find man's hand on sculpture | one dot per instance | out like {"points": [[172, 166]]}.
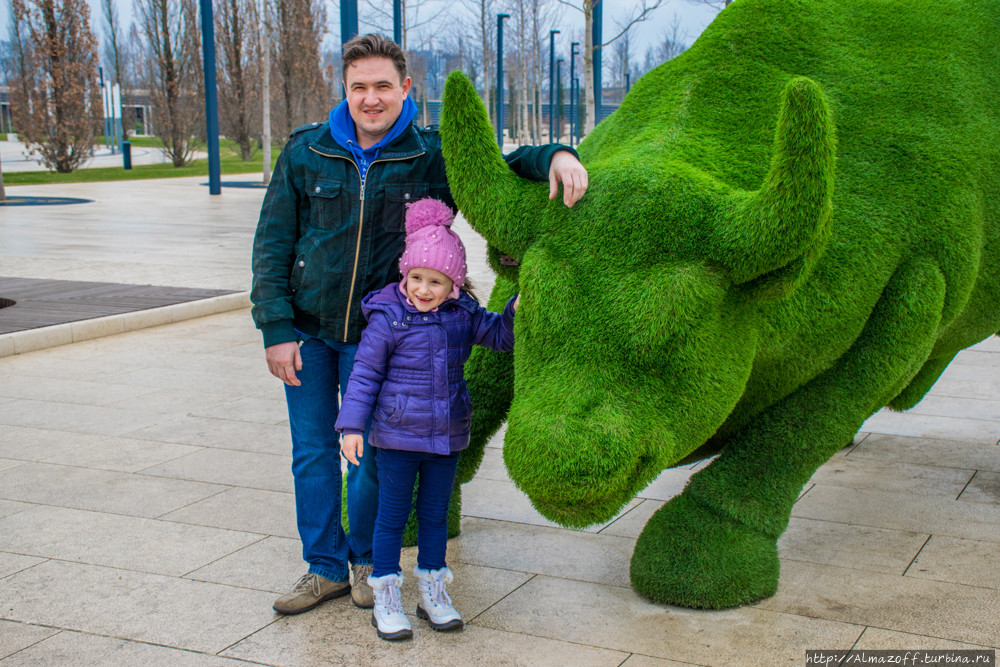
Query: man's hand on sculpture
{"points": [[283, 360], [566, 169], [352, 447]]}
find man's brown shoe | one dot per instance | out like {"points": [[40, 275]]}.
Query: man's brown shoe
{"points": [[308, 592], [362, 594]]}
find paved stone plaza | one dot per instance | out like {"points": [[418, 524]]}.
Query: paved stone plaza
{"points": [[147, 516]]}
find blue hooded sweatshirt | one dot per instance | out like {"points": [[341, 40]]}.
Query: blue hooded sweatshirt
{"points": [[343, 132]]}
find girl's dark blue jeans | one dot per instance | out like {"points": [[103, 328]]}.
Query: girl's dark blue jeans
{"points": [[397, 473]]}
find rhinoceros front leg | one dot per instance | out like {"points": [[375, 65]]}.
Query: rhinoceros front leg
{"points": [[715, 545]]}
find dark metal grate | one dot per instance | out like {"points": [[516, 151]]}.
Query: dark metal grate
{"points": [[4, 303]]}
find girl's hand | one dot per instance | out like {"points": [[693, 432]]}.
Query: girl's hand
{"points": [[353, 444], [517, 302]]}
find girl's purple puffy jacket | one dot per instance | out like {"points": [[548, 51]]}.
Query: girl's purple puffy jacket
{"points": [[408, 370]]}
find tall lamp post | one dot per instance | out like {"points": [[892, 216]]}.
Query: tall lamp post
{"points": [[596, 33], [397, 22], [211, 98], [552, 80], [500, 18], [572, 89], [558, 108], [348, 28]]}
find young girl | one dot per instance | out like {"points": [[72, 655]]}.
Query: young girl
{"points": [[408, 371]]}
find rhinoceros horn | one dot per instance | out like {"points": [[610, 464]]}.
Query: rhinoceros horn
{"points": [[786, 223], [497, 203]]}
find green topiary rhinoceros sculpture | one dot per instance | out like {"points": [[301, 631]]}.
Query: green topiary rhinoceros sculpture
{"points": [[788, 227]]}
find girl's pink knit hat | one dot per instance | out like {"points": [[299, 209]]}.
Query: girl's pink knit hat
{"points": [[430, 243]]}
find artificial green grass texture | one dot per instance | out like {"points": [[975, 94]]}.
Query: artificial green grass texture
{"points": [[230, 163], [790, 226]]}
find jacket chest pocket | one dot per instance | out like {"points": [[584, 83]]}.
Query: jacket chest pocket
{"points": [[396, 199], [328, 208]]}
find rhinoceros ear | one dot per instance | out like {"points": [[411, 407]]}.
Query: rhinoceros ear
{"points": [[782, 228], [498, 204]]}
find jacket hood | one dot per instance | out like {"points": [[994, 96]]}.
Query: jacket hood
{"points": [[344, 132], [392, 301]]}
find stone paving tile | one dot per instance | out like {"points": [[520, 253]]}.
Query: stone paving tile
{"points": [[221, 433], [637, 660], [857, 473], [632, 522], [977, 358], [256, 410], [131, 543], [888, 640], [15, 637], [100, 490], [121, 454], [250, 510], [619, 619], [905, 604], [968, 562], [6, 464], [77, 648], [11, 563], [929, 451], [338, 633], [981, 389], [82, 418], [147, 607], [44, 364], [174, 401], [475, 589], [232, 467], [984, 488], [844, 545], [273, 564], [9, 507], [669, 484], [948, 406], [66, 391], [898, 511], [927, 426], [198, 380], [35, 444], [493, 499], [578, 555], [493, 466], [991, 344]]}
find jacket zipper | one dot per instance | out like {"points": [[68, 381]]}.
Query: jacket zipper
{"points": [[361, 223]]}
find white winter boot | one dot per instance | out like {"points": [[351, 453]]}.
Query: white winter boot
{"points": [[388, 618], [435, 604]]}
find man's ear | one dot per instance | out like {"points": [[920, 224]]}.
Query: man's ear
{"points": [[406, 86]]}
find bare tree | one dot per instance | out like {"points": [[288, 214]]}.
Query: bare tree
{"points": [[671, 43], [301, 90], [265, 67], [621, 52], [483, 32], [239, 92], [416, 14], [53, 98], [172, 72], [115, 45], [639, 13]]}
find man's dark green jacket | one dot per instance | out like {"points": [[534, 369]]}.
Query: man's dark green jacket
{"points": [[324, 241]]}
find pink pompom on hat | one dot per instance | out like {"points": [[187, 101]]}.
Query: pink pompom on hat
{"points": [[431, 244]]}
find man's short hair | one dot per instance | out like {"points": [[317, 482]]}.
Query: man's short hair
{"points": [[374, 45]]}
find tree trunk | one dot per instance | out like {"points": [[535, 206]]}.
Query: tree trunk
{"points": [[266, 95]]}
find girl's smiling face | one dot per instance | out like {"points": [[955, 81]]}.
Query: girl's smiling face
{"points": [[427, 288]]}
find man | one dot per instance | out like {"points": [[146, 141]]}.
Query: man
{"points": [[331, 230]]}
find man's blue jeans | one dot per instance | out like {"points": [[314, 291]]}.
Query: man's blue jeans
{"points": [[312, 414]]}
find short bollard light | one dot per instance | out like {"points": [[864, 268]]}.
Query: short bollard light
{"points": [[127, 154]]}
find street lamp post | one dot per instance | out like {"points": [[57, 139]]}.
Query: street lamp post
{"points": [[552, 102], [211, 98], [572, 90], [596, 33], [576, 82], [397, 22], [500, 18], [558, 108]]}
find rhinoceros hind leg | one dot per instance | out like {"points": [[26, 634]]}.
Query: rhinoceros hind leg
{"points": [[715, 545], [921, 384]]}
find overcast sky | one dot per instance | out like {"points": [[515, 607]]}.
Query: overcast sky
{"points": [[693, 19]]}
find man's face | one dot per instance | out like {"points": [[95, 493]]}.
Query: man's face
{"points": [[374, 97]]}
